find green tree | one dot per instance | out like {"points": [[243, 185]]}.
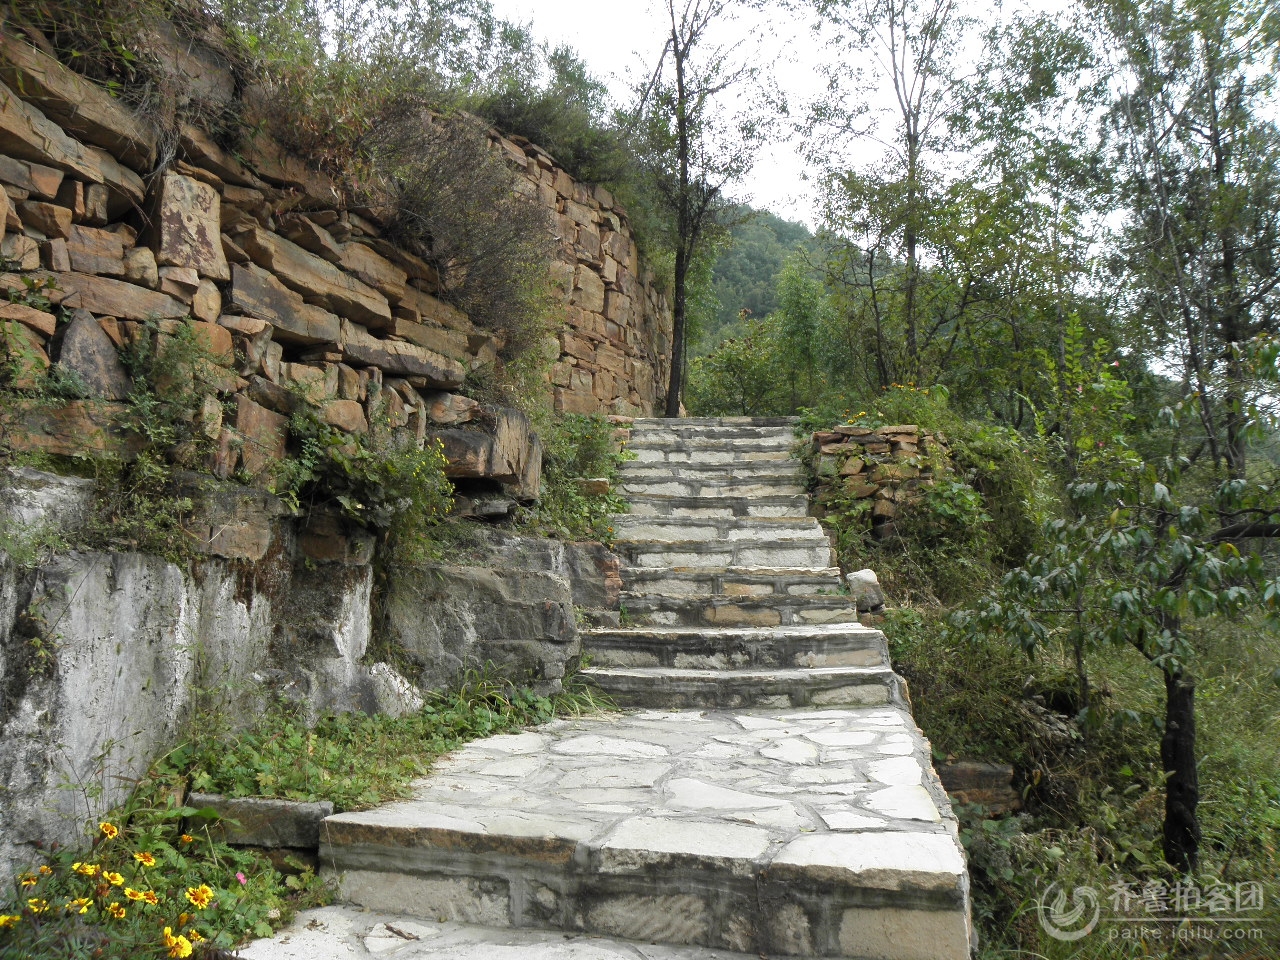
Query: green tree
{"points": [[692, 147], [887, 213], [740, 377], [1142, 554], [1197, 153]]}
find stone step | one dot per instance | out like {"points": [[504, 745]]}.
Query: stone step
{"points": [[781, 833], [712, 611], [691, 554], [794, 505], [755, 439], [710, 486], [738, 582], [709, 452], [715, 426], [754, 470], [710, 648], [761, 529], [673, 687]]}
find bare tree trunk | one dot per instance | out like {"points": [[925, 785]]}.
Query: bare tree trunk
{"points": [[1182, 782]]}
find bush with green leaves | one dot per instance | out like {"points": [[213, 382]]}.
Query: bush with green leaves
{"points": [[576, 448], [356, 760], [152, 881], [383, 481]]}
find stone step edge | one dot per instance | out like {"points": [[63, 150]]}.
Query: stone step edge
{"points": [[694, 422], [792, 631], [582, 858], [682, 572], [869, 674], [737, 571]]}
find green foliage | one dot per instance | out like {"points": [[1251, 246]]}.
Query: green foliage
{"points": [[356, 760], [153, 883], [561, 108], [382, 482], [577, 448], [746, 270], [31, 546], [980, 510], [1091, 406], [740, 377]]}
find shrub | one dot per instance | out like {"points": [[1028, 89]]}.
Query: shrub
{"points": [[383, 482], [451, 200], [575, 448]]}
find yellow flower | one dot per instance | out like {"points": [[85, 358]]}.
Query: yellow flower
{"points": [[194, 935], [144, 858], [187, 838], [36, 905], [150, 897], [133, 894], [29, 880], [45, 869], [108, 830], [8, 920], [179, 946], [112, 878], [79, 905], [88, 869], [117, 910], [200, 896]]}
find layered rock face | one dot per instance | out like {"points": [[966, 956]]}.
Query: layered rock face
{"points": [[116, 236], [107, 658]]}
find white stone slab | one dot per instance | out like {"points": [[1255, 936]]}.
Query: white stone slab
{"points": [[643, 841], [841, 738], [607, 748], [686, 793], [886, 861], [843, 818], [899, 771], [904, 803], [793, 750]]}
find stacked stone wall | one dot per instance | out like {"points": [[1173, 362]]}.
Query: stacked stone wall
{"points": [[615, 342], [889, 467]]}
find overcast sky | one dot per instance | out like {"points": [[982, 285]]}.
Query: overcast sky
{"points": [[623, 37]]}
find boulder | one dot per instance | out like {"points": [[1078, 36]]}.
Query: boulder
{"points": [[317, 280], [82, 108], [377, 271], [37, 320], [265, 434], [89, 354], [48, 218], [864, 590], [401, 359], [91, 250], [115, 298], [39, 181], [987, 784], [27, 134], [259, 294], [187, 227]]}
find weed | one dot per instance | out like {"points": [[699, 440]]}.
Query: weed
{"points": [[357, 761], [575, 448]]}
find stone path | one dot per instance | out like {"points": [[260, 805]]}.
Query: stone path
{"points": [[769, 793], [352, 933]]}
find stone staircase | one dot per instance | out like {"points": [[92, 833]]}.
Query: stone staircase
{"points": [[766, 792]]}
